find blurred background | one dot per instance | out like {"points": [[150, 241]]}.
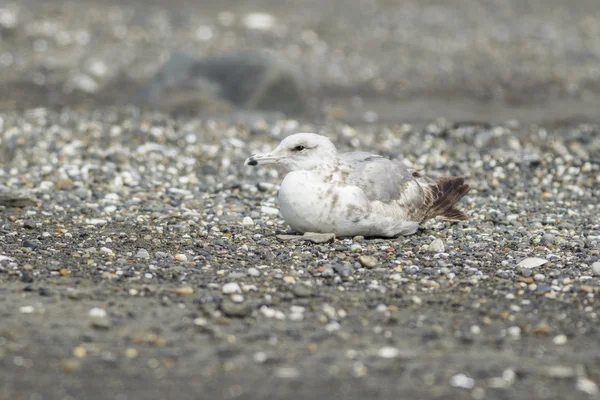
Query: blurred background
{"points": [[351, 60]]}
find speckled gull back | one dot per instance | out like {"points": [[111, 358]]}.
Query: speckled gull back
{"points": [[380, 178]]}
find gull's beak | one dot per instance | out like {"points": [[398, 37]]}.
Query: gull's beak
{"points": [[266, 158]]}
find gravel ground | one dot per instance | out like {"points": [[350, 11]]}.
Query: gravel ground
{"points": [[145, 264], [150, 266]]}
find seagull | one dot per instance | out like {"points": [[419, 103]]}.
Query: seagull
{"points": [[357, 193]]}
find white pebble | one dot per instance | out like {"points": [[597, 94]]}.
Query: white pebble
{"points": [[388, 352], [596, 268], [333, 326], [259, 21], [237, 298], [514, 332], [26, 309], [532, 262], [247, 221], [231, 288], [437, 246], [253, 271], [97, 312], [180, 257], [462, 381], [269, 210], [559, 339], [106, 250]]}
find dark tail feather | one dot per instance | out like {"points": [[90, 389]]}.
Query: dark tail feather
{"points": [[446, 193]]}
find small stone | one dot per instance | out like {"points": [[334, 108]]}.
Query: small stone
{"points": [[184, 290], [79, 352], [514, 332], [532, 262], [289, 280], [269, 210], [29, 244], [368, 262], [539, 277], [71, 365], [97, 312], [301, 290], [253, 272], [64, 272], [596, 268], [142, 253], [462, 381], [247, 221], [181, 257], [560, 339], [260, 357], [233, 309], [437, 246], [559, 372], [26, 277], [587, 386], [101, 323], [548, 239], [26, 309], [106, 250], [130, 352], [388, 352], [231, 288], [237, 298], [417, 300]]}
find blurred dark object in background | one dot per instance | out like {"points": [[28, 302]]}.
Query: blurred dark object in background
{"points": [[249, 80], [359, 61]]}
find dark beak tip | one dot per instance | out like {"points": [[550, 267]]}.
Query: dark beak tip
{"points": [[252, 162]]}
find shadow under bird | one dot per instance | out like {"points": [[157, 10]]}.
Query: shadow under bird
{"points": [[357, 193]]}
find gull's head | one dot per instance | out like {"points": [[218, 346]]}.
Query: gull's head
{"points": [[301, 151]]}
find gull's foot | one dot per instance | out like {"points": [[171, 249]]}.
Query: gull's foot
{"points": [[313, 237]]}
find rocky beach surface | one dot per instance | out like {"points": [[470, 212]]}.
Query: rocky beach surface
{"points": [[139, 257]]}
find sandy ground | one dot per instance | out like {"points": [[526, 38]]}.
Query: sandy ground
{"points": [[117, 283]]}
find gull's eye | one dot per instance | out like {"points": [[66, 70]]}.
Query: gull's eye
{"points": [[299, 148]]}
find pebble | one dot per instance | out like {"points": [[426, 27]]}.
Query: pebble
{"points": [[548, 239], [437, 246], [301, 290], [560, 339], [532, 262], [388, 352], [231, 288], [106, 250], [247, 221], [181, 257], [26, 309], [142, 253], [596, 268], [101, 323], [184, 290], [97, 312], [253, 272], [235, 309], [559, 372], [269, 210], [29, 244], [539, 277], [368, 262], [462, 381]]}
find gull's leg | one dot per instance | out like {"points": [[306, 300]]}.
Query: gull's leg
{"points": [[313, 237]]}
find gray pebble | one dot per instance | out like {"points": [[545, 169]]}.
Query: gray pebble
{"points": [[539, 277], [142, 253], [233, 309], [302, 290], [368, 262]]}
